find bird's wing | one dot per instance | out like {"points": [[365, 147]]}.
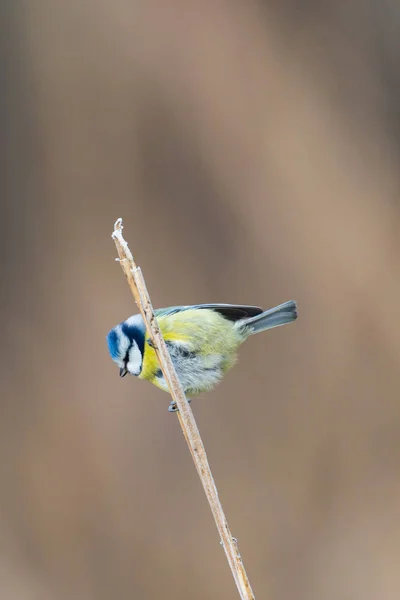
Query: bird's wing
{"points": [[232, 312]]}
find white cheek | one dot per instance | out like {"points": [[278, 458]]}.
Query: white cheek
{"points": [[134, 364]]}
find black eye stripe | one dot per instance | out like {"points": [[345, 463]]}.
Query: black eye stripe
{"points": [[126, 359], [134, 334]]}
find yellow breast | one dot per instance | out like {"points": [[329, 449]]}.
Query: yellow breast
{"points": [[205, 332]]}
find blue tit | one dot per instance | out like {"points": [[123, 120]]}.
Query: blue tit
{"points": [[202, 341]]}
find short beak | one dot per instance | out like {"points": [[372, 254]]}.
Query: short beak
{"points": [[123, 371]]}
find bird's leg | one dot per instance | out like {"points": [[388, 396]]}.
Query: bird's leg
{"points": [[173, 406]]}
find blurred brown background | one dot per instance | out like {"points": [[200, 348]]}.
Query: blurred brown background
{"points": [[252, 149]]}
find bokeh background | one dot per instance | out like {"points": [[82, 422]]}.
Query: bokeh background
{"points": [[252, 149]]}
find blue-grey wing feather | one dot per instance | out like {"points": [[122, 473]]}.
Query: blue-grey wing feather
{"points": [[232, 312]]}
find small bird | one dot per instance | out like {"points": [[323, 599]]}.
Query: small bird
{"points": [[202, 341]]}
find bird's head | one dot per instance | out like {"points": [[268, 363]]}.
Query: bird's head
{"points": [[126, 345]]}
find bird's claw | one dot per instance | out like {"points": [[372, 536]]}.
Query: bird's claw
{"points": [[173, 407]]}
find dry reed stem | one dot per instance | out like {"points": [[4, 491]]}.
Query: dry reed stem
{"points": [[188, 424]]}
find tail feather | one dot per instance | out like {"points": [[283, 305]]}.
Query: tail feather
{"points": [[274, 317]]}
